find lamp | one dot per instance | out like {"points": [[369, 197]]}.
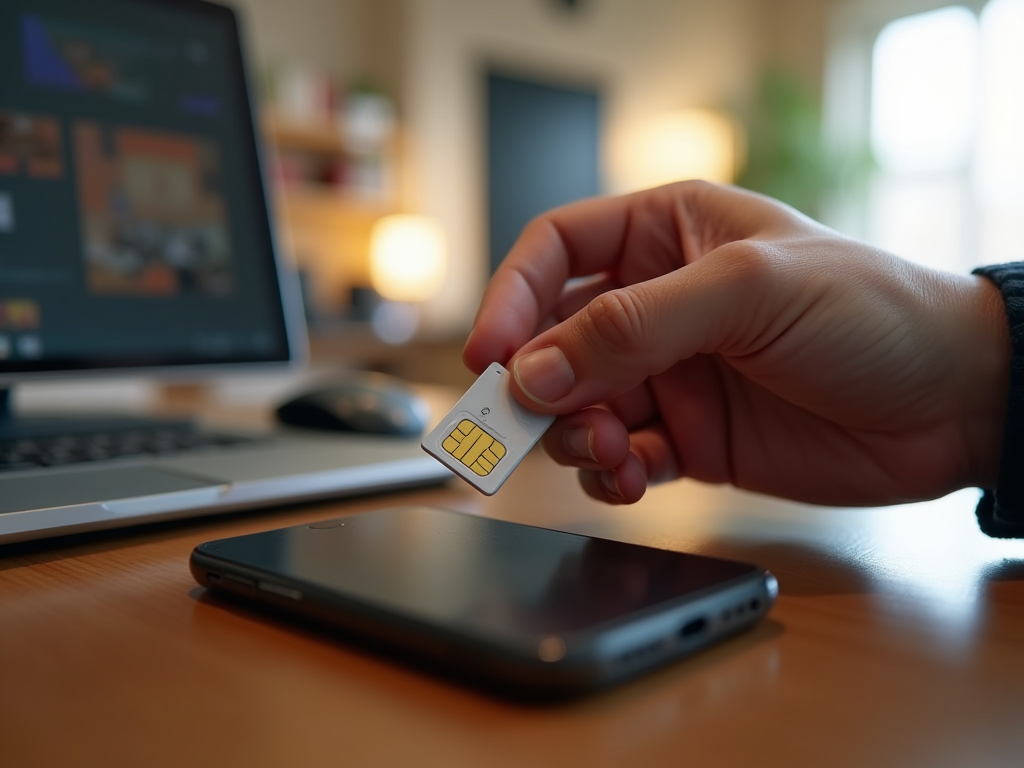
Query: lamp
{"points": [[408, 259], [683, 144], [408, 256]]}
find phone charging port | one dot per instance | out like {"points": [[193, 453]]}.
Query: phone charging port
{"points": [[693, 627]]}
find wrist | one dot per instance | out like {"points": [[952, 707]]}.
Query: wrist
{"points": [[988, 371], [1001, 510]]}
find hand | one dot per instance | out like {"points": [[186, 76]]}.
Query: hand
{"points": [[722, 336]]}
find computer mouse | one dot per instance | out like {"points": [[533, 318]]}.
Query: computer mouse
{"points": [[372, 403]]}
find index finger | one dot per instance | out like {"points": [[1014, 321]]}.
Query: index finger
{"points": [[579, 239], [632, 238]]}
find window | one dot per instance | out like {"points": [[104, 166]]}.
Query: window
{"points": [[923, 91], [944, 118]]}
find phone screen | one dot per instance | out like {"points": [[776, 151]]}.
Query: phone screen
{"points": [[483, 576]]}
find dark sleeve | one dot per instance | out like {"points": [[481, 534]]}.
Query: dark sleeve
{"points": [[1001, 509]]}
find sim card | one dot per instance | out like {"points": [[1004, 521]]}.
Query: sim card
{"points": [[485, 436]]}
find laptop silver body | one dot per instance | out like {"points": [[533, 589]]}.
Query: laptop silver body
{"points": [[279, 468], [173, 82]]}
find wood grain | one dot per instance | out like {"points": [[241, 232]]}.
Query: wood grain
{"points": [[898, 640]]}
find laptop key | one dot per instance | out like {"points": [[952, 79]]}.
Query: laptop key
{"points": [[71, 449]]}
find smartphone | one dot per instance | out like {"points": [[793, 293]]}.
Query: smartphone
{"points": [[524, 610]]}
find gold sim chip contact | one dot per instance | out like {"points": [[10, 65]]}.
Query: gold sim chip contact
{"points": [[474, 447], [471, 449]]}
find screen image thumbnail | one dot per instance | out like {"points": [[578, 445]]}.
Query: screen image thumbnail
{"points": [[154, 219], [77, 57], [117, 64], [30, 145]]}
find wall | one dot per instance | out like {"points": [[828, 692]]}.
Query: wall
{"points": [[326, 34], [651, 55], [794, 34]]}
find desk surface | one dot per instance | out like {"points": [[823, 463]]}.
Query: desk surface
{"points": [[898, 640]]}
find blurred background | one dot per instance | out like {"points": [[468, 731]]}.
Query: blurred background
{"points": [[410, 140]]}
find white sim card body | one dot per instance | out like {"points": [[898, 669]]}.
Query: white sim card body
{"points": [[485, 436]]}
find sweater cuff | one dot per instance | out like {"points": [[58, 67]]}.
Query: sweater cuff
{"points": [[1001, 509]]}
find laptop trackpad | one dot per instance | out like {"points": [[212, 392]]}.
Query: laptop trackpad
{"points": [[89, 485]]}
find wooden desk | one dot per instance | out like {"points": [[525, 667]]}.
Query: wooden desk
{"points": [[898, 640]]}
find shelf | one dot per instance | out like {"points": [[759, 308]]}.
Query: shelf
{"points": [[322, 198], [327, 227], [323, 138]]}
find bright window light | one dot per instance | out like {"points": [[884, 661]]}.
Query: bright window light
{"points": [[999, 167], [924, 91], [1000, 158], [947, 128]]}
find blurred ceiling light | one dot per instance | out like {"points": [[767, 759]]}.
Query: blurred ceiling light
{"points": [[408, 257], [684, 144]]}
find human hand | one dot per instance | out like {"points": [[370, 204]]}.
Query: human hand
{"points": [[725, 337]]}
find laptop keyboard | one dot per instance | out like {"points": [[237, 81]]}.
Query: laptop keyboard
{"points": [[52, 451]]}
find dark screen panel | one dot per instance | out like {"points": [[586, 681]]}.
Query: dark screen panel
{"points": [[488, 576], [133, 224], [543, 150]]}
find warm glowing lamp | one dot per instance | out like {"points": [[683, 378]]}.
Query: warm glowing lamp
{"points": [[408, 257], [684, 144]]}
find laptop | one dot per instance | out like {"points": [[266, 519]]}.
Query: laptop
{"points": [[135, 239]]}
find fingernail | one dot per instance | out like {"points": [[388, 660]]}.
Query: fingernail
{"points": [[611, 483], [544, 375], [579, 442]]}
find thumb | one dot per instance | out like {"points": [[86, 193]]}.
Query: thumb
{"points": [[623, 336]]}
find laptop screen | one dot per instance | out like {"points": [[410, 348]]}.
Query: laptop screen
{"points": [[133, 224]]}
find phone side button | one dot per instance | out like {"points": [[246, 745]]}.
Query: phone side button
{"points": [[237, 584], [279, 589]]}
